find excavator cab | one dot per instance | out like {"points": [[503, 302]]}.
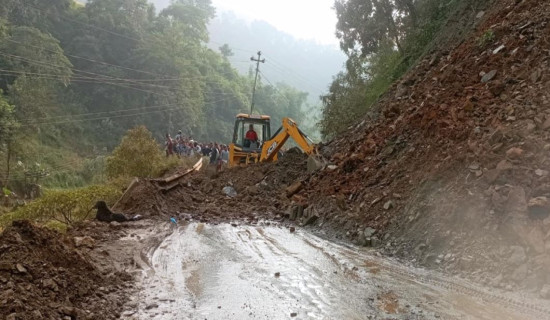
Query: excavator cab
{"points": [[242, 150]]}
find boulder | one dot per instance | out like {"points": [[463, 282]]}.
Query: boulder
{"points": [[230, 191], [514, 153], [314, 164], [489, 76], [311, 219], [294, 188], [389, 204], [85, 241], [369, 232]]}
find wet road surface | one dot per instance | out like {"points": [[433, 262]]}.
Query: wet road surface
{"points": [[204, 271]]}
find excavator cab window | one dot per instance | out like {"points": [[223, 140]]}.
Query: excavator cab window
{"points": [[261, 127]]}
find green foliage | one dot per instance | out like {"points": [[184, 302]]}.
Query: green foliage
{"points": [[8, 124], [383, 40], [486, 39], [64, 206], [138, 155]]}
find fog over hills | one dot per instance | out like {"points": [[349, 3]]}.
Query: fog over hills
{"points": [[303, 64]]}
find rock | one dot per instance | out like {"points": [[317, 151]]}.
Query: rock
{"points": [[520, 273], [230, 191], [293, 314], [388, 205], [517, 256], [492, 175], [115, 225], [252, 190], [85, 241], [314, 164], [277, 274], [420, 248], [374, 242], [480, 14], [151, 306], [311, 220], [293, 213], [401, 91], [541, 173], [20, 268], [539, 206], [50, 284], [489, 76], [69, 311], [545, 292], [536, 75], [362, 240], [497, 50], [294, 188], [504, 165], [292, 229], [514, 153], [369, 232]]}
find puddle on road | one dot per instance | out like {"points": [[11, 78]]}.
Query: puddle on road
{"points": [[212, 272]]}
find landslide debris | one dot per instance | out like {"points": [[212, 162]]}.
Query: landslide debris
{"points": [[260, 193], [44, 276], [451, 167]]}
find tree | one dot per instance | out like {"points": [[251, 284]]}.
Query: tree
{"points": [[365, 25], [137, 155], [226, 51]]}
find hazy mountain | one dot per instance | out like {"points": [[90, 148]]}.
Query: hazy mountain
{"points": [[306, 65], [303, 64]]}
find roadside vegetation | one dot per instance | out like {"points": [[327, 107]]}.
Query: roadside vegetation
{"points": [[138, 155]]}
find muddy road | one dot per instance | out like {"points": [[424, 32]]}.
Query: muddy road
{"points": [[202, 271]]}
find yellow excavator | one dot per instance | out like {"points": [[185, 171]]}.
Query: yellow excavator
{"points": [[263, 147]]}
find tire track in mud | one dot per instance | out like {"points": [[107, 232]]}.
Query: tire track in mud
{"points": [[420, 277]]}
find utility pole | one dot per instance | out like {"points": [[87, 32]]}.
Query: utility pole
{"points": [[256, 78]]}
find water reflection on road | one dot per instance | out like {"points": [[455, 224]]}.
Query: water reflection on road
{"points": [[248, 272]]}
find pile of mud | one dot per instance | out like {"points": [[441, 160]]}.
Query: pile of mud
{"points": [[44, 276], [257, 193], [451, 168]]}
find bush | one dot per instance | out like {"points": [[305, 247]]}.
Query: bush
{"points": [[64, 206], [138, 155]]}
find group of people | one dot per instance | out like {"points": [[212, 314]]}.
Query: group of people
{"points": [[182, 146]]}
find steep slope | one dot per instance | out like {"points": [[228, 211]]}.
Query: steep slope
{"points": [[451, 168]]}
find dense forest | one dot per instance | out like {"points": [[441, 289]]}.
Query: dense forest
{"points": [[75, 78]]}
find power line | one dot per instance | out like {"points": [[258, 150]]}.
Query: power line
{"points": [[275, 88], [118, 116]]}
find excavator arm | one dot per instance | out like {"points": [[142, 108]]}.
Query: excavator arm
{"points": [[288, 129]]}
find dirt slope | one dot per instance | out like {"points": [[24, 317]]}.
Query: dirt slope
{"points": [[44, 276], [452, 168]]}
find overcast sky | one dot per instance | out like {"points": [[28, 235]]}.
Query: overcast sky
{"points": [[304, 19]]}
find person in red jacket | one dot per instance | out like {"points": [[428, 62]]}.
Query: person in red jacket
{"points": [[251, 136]]}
